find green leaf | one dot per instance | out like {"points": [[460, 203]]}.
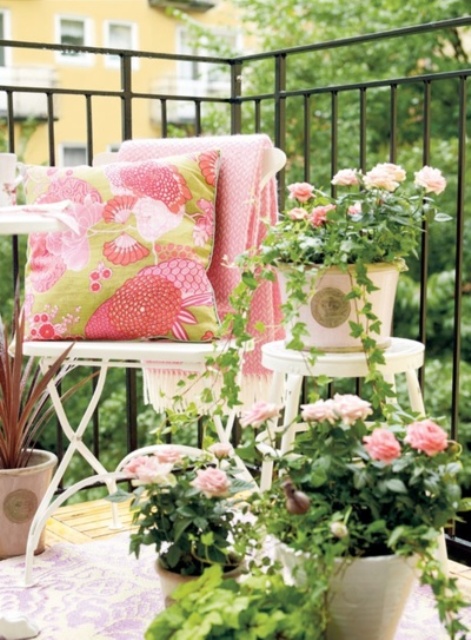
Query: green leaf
{"points": [[396, 486], [180, 527]]}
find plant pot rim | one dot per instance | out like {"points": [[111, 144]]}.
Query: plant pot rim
{"points": [[234, 571], [350, 559], [40, 459], [373, 266]]}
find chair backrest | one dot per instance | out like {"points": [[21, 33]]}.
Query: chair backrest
{"points": [[246, 197]]}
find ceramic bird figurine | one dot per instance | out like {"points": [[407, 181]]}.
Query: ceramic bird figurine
{"points": [[297, 502]]}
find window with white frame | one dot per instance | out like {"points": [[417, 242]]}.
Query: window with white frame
{"points": [[204, 72], [120, 35], [72, 155], [74, 31]]}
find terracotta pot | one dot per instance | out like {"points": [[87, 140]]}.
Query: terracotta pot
{"points": [[169, 580], [329, 312], [367, 596], [21, 491]]}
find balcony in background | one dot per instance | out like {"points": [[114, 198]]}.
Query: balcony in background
{"points": [[185, 5], [26, 104]]}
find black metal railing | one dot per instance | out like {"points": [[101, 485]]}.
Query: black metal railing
{"points": [[322, 128]]}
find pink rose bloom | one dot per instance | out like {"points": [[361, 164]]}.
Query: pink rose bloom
{"points": [[382, 445], [351, 408], [430, 179], [301, 191], [259, 413], [426, 436], [384, 176], [221, 450], [131, 468], [149, 470], [396, 171], [214, 483], [318, 215], [297, 213], [346, 178], [319, 411], [168, 455], [355, 209]]}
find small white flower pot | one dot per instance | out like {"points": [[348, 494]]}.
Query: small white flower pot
{"points": [[329, 312]]}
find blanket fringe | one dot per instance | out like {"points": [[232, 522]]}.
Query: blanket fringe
{"points": [[162, 389]]}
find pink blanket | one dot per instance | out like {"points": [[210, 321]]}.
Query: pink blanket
{"points": [[240, 206]]}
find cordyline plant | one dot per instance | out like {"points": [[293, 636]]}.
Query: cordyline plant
{"points": [[23, 394]]}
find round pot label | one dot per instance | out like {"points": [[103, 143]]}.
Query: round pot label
{"points": [[20, 506], [330, 307]]}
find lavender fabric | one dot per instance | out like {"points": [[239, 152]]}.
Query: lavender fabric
{"points": [[98, 591]]}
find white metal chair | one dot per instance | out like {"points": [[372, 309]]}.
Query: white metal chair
{"points": [[159, 356]]}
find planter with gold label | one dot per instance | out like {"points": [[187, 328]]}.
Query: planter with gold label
{"points": [[329, 311], [21, 491]]}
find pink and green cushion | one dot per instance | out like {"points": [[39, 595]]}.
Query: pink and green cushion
{"points": [[133, 265]]}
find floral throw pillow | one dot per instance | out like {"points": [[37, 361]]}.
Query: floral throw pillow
{"points": [[133, 263]]}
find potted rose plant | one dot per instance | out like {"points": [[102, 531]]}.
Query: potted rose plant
{"points": [[184, 504], [346, 247], [338, 257], [354, 496]]}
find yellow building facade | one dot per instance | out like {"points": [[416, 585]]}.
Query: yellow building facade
{"points": [[144, 25]]}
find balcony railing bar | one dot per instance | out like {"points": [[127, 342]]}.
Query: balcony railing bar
{"points": [[279, 133], [51, 130], [198, 117], [279, 94], [328, 44], [334, 135], [370, 84], [123, 53], [236, 90], [126, 104], [425, 237], [369, 37], [460, 213], [307, 136], [89, 128], [393, 124], [257, 115], [163, 114], [362, 141]]}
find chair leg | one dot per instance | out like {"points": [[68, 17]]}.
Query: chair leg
{"points": [[415, 392], [292, 395]]}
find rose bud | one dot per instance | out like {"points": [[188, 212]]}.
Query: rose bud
{"points": [[297, 502]]}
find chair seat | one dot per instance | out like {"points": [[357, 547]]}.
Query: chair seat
{"points": [[187, 354]]}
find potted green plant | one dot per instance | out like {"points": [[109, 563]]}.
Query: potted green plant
{"points": [[185, 506], [363, 504], [25, 471], [260, 606]]}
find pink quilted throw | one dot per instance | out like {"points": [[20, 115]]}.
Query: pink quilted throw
{"points": [[241, 203]]}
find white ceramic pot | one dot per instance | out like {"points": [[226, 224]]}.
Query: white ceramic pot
{"points": [[367, 596], [21, 491], [328, 312]]}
